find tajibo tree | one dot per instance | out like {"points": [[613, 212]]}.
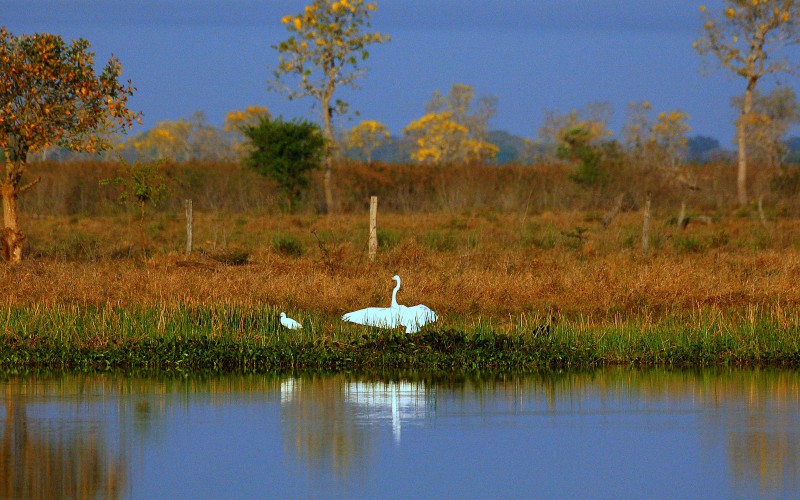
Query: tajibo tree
{"points": [[772, 115], [50, 95], [366, 137], [454, 129], [747, 40], [328, 42]]}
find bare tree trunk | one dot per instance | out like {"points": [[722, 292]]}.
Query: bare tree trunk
{"points": [[682, 214], [326, 184], [646, 227], [609, 217], [12, 238], [741, 132], [141, 226], [189, 226], [761, 216], [330, 147]]}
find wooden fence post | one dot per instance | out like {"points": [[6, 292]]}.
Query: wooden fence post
{"points": [[761, 216], [189, 222], [682, 214], [373, 227], [646, 227]]}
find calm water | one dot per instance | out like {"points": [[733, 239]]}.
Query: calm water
{"points": [[608, 434]]}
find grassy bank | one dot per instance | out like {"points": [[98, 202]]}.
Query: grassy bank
{"points": [[720, 292], [239, 338]]}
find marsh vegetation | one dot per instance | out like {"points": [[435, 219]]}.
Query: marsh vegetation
{"points": [[515, 289]]}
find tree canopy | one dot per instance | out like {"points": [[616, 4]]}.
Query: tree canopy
{"points": [[51, 95], [285, 151], [747, 39], [328, 42]]}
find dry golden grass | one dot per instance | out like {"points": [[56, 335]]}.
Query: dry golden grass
{"points": [[69, 188], [490, 266]]}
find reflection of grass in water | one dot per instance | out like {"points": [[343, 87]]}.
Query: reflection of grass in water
{"points": [[319, 425], [231, 337]]}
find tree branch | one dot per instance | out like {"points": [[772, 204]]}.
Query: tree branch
{"points": [[29, 185]]}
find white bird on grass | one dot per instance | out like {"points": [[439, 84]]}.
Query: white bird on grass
{"points": [[413, 318], [290, 323]]}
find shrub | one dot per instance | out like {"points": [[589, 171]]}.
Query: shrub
{"points": [[688, 244], [286, 152], [288, 246], [231, 256]]}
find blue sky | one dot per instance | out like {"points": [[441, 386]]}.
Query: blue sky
{"points": [[215, 56]]}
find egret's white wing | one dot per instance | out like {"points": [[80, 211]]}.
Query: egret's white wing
{"points": [[414, 318], [384, 317]]}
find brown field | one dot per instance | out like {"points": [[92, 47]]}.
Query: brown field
{"points": [[485, 243], [485, 266]]}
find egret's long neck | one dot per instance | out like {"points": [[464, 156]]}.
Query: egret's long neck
{"points": [[394, 294]]}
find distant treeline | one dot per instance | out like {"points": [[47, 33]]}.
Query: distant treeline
{"points": [[75, 188], [513, 149]]}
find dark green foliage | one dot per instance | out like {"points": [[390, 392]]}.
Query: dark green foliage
{"points": [[288, 246], [143, 183], [285, 151], [577, 146], [387, 238]]}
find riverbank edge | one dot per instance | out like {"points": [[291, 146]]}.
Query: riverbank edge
{"points": [[431, 350]]}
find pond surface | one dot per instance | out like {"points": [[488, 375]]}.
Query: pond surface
{"points": [[616, 433]]}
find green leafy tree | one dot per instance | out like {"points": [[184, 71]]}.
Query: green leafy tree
{"points": [[286, 152], [575, 144], [747, 40], [583, 137], [328, 42], [51, 95], [144, 185]]}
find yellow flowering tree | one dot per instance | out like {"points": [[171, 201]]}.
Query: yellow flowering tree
{"points": [[466, 111], [659, 142], [669, 136], [772, 116], [51, 95], [185, 139], [747, 40], [437, 138], [237, 120], [455, 128], [366, 137], [593, 119], [250, 116], [328, 42], [167, 140]]}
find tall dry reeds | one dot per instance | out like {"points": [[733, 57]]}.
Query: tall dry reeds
{"points": [[74, 188]]}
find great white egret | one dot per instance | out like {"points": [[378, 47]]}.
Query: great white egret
{"points": [[290, 323], [413, 318]]}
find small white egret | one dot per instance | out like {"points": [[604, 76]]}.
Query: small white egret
{"points": [[290, 323]]}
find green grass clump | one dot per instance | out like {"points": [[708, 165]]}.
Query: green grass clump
{"points": [[229, 338], [288, 246]]}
